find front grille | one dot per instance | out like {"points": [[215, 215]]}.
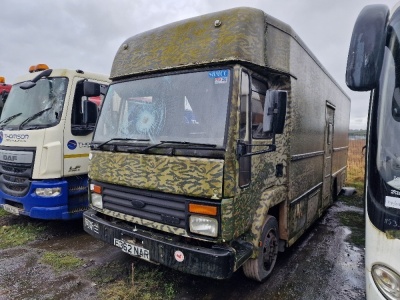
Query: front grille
{"points": [[19, 170], [153, 206], [15, 178], [13, 185]]}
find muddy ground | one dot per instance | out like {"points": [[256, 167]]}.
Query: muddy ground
{"points": [[326, 263]]}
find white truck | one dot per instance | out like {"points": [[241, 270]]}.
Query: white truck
{"points": [[45, 130]]}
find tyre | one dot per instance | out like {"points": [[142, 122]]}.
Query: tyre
{"points": [[260, 268]]}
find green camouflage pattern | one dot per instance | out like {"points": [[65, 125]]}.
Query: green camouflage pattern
{"points": [[190, 176], [195, 41], [266, 45], [266, 190], [144, 222], [249, 208]]}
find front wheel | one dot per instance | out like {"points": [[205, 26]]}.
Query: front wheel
{"points": [[260, 268]]}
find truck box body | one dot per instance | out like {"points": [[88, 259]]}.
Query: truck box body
{"points": [[152, 190]]}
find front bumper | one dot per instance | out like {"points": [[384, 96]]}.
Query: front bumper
{"points": [[48, 208], [218, 261]]}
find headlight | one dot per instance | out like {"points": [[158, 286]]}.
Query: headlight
{"points": [[97, 200], [203, 225], [387, 281], [48, 192]]}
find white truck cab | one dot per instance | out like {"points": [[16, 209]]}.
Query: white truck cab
{"points": [[45, 131]]}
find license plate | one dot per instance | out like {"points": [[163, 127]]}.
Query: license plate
{"points": [[11, 209], [132, 249]]}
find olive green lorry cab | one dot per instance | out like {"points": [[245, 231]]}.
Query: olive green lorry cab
{"points": [[220, 140]]}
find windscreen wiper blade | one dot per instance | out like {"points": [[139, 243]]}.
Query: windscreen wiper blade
{"points": [[34, 116], [120, 139], [5, 121], [178, 143]]}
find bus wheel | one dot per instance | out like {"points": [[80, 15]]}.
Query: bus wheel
{"points": [[260, 268]]}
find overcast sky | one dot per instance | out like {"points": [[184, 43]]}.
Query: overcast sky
{"points": [[85, 34]]}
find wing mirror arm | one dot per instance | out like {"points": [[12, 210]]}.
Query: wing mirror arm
{"points": [[242, 149]]}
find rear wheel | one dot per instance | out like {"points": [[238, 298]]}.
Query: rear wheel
{"points": [[260, 268]]}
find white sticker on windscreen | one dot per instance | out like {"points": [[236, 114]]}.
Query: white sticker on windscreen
{"points": [[392, 202]]}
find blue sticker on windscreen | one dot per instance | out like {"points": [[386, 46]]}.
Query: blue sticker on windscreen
{"points": [[218, 73]]}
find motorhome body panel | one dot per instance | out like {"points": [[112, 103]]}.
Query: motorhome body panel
{"points": [[312, 94]]}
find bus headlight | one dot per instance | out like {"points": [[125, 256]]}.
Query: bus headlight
{"points": [[387, 281], [97, 200], [48, 192], [203, 225]]}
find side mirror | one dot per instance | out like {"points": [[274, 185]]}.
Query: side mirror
{"points": [[89, 112], [367, 47], [91, 89], [241, 149], [27, 85], [275, 111], [103, 89], [31, 83]]}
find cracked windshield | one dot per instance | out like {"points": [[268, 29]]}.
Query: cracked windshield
{"points": [[39, 106], [190, 107]]}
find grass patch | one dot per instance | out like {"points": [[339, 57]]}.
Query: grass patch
{"points": [[356, 163], [107, 273], [355, 173], [61, 261], [145, 283], [355, 221], [356, 200], [18, 234], [3, 213]]}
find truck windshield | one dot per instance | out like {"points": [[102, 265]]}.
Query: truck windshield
{"points": [[40, 106], [388, 145], [190, 107]]}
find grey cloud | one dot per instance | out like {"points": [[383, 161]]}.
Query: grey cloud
{"points": [[86, 34]]}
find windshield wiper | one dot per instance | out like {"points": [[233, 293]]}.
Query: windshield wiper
{"points": [[27, 120], [120, 139], [178, 143], [5, 121]]}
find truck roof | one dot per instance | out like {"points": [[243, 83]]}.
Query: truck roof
{"points": [[238, 34], [65, 72], [246, 35]]}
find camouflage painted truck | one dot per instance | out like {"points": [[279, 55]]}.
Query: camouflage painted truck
{"points": [[221, 139]]}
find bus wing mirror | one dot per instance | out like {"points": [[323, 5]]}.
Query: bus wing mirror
{"points": [[89, 112], [367, 46], [275, 111], [91, 89]]}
